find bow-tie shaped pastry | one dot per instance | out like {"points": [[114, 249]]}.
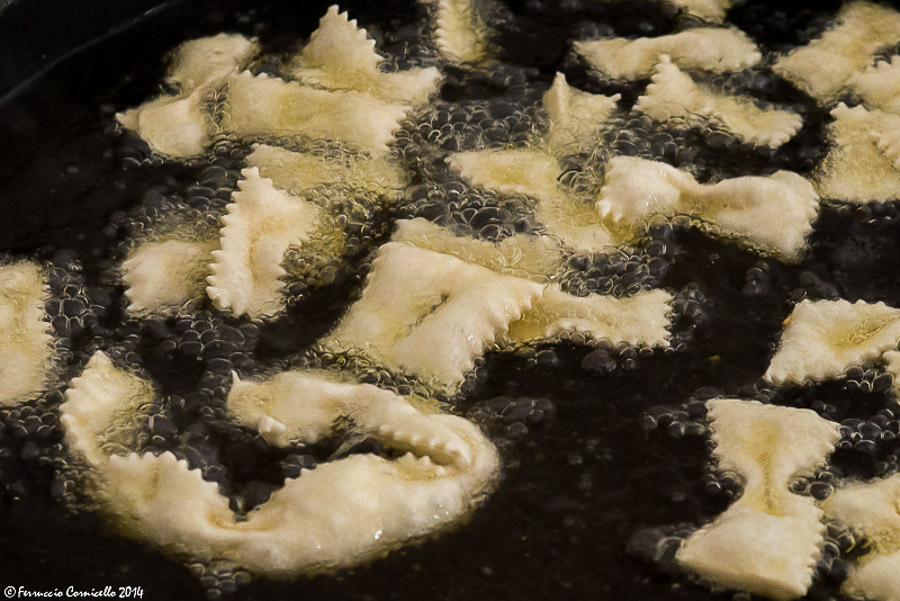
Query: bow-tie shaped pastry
{"points": [[341, 56], [768, 541], [824, 338], [180, 125], [863, 164], [872, 509], [704, 48], [825, 65], [774, 212], [338, 93], [672, 93]]}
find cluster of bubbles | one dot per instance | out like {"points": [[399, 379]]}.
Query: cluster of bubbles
{"points": [[71, 311], [219, 581], [471, 212], [472, 125], [511, 419], [32, 454]]}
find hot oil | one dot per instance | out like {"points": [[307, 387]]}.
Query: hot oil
{"points": [[605, 458]]}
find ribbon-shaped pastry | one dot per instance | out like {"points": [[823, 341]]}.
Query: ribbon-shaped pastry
{"points": [[338, 514], [161, 276], [533, 173], [465, 307], [641, 320], [535, 258], [242, 263], [262, 106], [575, 120], [300, 172], [575, 117], [341, 93], [768, 541]]}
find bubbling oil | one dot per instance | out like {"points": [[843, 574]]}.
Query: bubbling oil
{"points": [[594, 435]]}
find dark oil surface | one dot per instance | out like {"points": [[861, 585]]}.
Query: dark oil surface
{"points": [[602, 448]]}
